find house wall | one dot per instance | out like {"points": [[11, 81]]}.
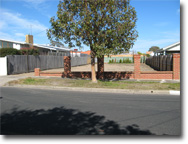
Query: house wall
{"points": [[16, 46], [3, 64]]}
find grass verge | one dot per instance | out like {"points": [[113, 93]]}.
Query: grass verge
{"points": [[100, 84]]}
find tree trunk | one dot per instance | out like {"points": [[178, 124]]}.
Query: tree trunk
{"points": [[93, 72]]}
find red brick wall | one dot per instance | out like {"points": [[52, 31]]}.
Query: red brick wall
{"points": [[176, 66], [37, 71], [137, 74], [67, 65], [156, 75], [137, 66]]}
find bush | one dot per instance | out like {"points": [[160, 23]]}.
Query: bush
{"points": [[148, 55], [120, 61], [8, 51], [127, 60], [110, 61], [29, 52]]}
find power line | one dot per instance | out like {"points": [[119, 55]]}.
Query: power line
{"points": [[40, 32]]}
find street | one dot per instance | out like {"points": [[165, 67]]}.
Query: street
{"points": [[37, 111]]}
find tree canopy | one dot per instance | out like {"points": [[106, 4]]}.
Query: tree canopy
{"points": [[106, 26], [154, 48]]}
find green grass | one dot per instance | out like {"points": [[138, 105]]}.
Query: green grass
{"points": [[143, 85], [34, 81]]}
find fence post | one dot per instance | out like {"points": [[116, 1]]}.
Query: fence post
{"points": [[100, 67], [176, 66], [37, 71], [67, 65], [136, 66]]}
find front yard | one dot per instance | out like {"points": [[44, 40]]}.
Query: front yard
{"points": [[107, 67]]}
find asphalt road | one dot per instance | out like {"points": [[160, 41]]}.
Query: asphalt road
{"points": [[37, 111]]}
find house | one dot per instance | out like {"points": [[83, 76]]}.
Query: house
{"points": [[151, 53], [87, 52], [77, 53], [28, 44], [173, 48]]}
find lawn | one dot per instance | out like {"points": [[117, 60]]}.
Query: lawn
{"points": [[141, 85]]}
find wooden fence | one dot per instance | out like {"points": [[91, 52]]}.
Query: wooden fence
{"points": [[161, 63], [17, 64]]}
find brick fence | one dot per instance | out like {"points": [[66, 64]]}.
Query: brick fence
{"points": [[101, 74]]}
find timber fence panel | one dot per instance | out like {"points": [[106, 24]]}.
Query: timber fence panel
{"points": [[161, 63], [27, 63]]}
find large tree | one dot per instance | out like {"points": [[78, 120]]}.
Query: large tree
{"points": [[154, 48], [106, 26]]}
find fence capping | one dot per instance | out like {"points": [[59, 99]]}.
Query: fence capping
{"points": [[176, 55]]}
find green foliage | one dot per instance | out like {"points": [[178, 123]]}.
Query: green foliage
{"points": [[11, 51], [107, 26], [8, 51], [29, 52], [154, 48], [127, 60], [147, 55], [139, 53]]}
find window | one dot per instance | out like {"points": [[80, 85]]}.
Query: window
{"points": [[4, 44], [10, 45]]}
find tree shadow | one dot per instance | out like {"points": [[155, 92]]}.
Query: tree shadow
{"points": [[62, 121]]}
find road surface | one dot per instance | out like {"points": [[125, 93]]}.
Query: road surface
{"points": [[37, 111]]}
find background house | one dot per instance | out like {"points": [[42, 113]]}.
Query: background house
{"points": [[173, 48], [28, 44]]}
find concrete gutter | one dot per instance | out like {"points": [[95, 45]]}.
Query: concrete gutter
{"points": [[101, 90]]}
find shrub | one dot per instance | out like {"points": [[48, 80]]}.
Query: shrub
{"points": [[8, 51], [139, 53], [120, 61], [127, 60], [148, 55], [110, 61], [29, 52]]}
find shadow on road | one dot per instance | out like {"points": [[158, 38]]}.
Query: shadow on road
{"points": [[62, 121]]}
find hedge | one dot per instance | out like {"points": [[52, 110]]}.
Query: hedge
{"points": [[11, 51]]}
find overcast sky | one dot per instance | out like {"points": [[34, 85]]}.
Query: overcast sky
{"points": [[158, 21]]}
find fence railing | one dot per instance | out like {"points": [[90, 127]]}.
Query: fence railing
{"points": [[161, 63], [17, 64]]}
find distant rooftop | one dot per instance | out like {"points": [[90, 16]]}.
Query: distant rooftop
{"points": [[39, 45]]}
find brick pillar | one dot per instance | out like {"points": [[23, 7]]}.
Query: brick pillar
{"points": [[100, 67], [37, 71], [67, 65], [136, 66], [176, 66]]}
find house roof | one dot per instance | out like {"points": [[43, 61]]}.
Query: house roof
{"points": [[174, 47], [40, 45], [18, 42], [86, 52]]}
